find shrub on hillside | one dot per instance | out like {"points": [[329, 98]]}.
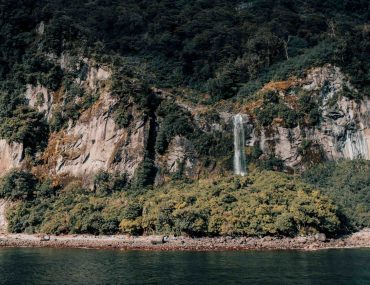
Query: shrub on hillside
{"points": [[25, 126], [273, 108], [266, 203], [106, 183], [18, 185], [175, 121], [347, 183], [263, 203]]}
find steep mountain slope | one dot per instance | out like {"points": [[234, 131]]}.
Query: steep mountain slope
{"points": [[305, 121], [120, 97]]}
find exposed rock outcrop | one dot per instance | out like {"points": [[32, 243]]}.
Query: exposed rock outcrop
{"points": [[342, 133], [11, 155], [180, 157], [40, 98], [96, 143]]}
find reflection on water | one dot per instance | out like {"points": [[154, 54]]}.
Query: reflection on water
{"points": [[73, 266]]}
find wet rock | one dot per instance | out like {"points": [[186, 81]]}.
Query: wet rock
{"points": [[157, 240]]}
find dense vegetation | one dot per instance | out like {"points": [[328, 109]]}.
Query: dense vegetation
{"points": [[306, 113], [214, 49], [347, 183], [333, 199], [222, 46], [266, 203]]}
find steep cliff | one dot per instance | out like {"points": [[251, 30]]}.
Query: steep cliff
{"points": [[11, 155], [94, 141], [85, 88], [342, 130]]}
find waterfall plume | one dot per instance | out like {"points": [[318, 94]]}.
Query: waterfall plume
{"points": [[239, 143]]}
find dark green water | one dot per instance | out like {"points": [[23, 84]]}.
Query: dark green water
{"points": [[73, 266]]}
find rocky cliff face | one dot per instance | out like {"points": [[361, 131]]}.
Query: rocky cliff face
{"points": [[11, 155], [96, 142], [40, 98], [343, 131]]}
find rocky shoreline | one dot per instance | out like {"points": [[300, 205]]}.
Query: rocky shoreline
{"points": [[357, 240]]}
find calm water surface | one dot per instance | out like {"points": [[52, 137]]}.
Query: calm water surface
{"points": [[74, 266]]}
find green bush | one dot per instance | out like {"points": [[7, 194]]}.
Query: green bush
{"points": [[106, 183], [133, 210], [26, 126], [216, 144], [144, 175], [273, 108], [18, 185], [308, 108], [347, 183], [264, 203], [271, 163], [175, 122], [225, 84]]}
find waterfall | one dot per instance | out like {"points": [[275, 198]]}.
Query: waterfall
{"points": [[239, 143]]}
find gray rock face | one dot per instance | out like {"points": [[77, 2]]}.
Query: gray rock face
{"points": [[40, 29], [343, 133], [320, 237], [11, 155], [96, 143], [345, 128], [180, 154], [40, 98]]}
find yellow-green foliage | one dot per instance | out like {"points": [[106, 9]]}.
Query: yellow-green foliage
{"points": [[263, 203], [267, 203]]}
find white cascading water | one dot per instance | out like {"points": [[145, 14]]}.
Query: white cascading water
{"points": [[240, 165]]}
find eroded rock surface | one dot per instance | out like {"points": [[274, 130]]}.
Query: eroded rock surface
{"points": [[343, 132], [11, 155], [96, 143]]}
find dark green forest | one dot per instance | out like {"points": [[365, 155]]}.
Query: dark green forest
{"points": [[217, 46]]}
